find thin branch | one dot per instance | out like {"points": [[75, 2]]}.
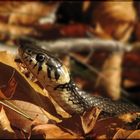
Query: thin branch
{"points": [[13, 107], [68, 45], [84, 45]]}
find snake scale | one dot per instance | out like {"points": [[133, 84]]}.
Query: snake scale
{"points": [[55, 77]]}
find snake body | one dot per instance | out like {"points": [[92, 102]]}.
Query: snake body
{"points": [[55, 77]]}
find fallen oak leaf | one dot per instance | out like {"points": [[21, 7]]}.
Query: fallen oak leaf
{"points": [[51, 131], [106, 128], [13, 107], [88, 119], [80, 124], [9, 89], [31, 13], [72, 125], [129, 117], [134, 135], [122, 134], [127, 134], [5, 128]]}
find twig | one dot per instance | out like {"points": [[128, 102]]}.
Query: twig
{"points": [[11, 106], [84, 45], [68, 45]]}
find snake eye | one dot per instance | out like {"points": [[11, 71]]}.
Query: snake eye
{"points": [[40, 57]]}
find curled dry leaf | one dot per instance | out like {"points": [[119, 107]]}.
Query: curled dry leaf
{"points": [[128, 118], [106, 128], [6, 9], [25, 13], [121, 24], [16, 16], [127, 134], [110, 127], [29, 13], [5, 128], [88, 119], [80, 125], [14, 31], [50, 131]]}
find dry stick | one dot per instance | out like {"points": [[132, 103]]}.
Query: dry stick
{"points": [[78, 45], [84, 45], [13, 107], [75, 45]]}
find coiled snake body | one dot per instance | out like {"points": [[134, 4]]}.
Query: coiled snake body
{"points": [[55, 77]]}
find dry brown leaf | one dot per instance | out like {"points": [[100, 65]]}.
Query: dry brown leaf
{"points": [[50, 131], [88, 119], [106, 128], [134, 135], [129, 117], [13, 31], [112, 128], [18, 18], [5, 128], [8, 59], [80, 125], [25, 13], [121, 19], [122, 134], [9, 89], [73, 125], [29, 13], [127, 134]]}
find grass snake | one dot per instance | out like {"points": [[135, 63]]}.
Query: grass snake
{"points": [[55, 77]]}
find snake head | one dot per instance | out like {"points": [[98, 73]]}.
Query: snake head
{"points": [[48, 69]]}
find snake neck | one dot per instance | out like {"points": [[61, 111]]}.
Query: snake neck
{"points": [[70, 98], [73, 100]]}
